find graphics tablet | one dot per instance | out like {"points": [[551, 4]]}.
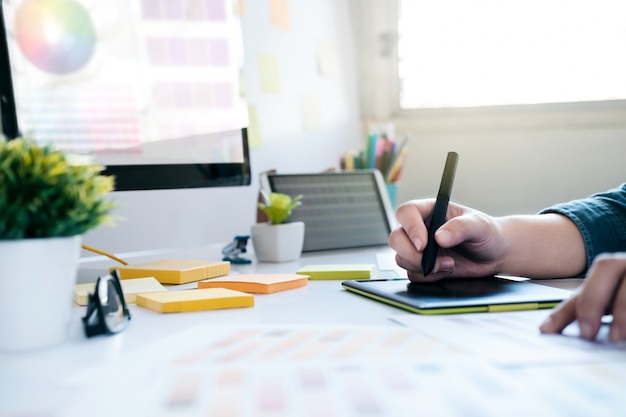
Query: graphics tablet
{"points": [[468, 295]]}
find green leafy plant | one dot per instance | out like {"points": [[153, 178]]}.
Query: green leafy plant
{"points": [[278, 207], [43, 195]]}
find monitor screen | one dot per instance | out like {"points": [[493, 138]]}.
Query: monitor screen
{"points": [[149, 89]]}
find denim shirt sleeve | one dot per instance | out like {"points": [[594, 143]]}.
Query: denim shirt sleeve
{"points": [[601, 219]]}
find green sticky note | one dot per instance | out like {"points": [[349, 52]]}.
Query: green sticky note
{"points": [[269, 75], [338, 271]]}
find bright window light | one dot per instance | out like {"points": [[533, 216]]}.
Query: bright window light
{"points": [[465, 53]]}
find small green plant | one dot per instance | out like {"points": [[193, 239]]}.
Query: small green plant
{"points": [[278, 207], [43, 195]]}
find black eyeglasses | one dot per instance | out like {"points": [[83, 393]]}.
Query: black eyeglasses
{"points": [[106, 309]]}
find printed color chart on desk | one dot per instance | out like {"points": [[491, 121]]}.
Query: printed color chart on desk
{"points": [[338, 371], [263, 370]]}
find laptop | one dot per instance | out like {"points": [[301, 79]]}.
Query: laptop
{"points": [[466, 295], [340, 210]]}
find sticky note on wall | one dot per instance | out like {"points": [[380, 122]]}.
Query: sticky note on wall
{"points": [[310, 107], [268, 73], [328, 58], [279, 12], [339, 271], [255, 139]]}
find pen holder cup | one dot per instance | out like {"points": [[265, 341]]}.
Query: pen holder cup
{"points": [[392, 191]]}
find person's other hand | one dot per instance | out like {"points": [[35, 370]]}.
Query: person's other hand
{"points": [[602, 291], [470, 242]]}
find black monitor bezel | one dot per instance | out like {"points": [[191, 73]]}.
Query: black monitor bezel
{"points": [[191, 175]]}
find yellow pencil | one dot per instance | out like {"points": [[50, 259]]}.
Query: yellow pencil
{"points": [[396, 168], [349, 161]]}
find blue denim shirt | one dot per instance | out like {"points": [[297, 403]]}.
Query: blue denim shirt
{"points": [[601, 219]]}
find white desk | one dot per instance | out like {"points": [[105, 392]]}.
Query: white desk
{"points": [[119, 374]]}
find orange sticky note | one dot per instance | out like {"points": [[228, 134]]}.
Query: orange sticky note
{"points": [[257, 283], [279, 10]]}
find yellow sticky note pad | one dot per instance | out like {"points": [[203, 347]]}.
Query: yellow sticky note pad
{"points": [[130, 288], [257, 283], [194, 300], [175, 271], [339, 271]]}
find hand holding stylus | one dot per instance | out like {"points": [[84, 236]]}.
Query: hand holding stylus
{"points": [[468, 244]]}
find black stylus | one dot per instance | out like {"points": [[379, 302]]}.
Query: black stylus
{"points": [[439, 212]]}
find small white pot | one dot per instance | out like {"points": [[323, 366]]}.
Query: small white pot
{"points": [[277, 242], [37, 278]]}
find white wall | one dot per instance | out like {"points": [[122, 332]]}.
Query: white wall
{"points": [[181, 218], [517, 171]]}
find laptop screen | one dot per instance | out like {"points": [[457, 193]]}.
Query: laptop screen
{"points": [[340, 210]]}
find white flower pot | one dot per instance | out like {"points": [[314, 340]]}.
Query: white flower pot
{"points": [[277, 242], [37, 278]]}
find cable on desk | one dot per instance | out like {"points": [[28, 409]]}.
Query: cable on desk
{"points": [[101, 252]]}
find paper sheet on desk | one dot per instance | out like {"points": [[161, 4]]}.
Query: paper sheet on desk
{"points": [[386, 261], [512, 338], [252, 370], [334, 370]]}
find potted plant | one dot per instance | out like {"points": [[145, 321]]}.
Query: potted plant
{"points": [[278, 240], [46, 205]]}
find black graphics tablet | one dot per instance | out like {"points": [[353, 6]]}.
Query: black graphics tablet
{"points": [[469, 295]]}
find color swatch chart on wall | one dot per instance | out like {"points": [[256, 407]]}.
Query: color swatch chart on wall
{"points": [[327, 371], [92, 76]]}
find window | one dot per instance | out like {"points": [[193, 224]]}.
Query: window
{"points": [[468, 53]]}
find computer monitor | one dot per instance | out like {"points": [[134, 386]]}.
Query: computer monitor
{"points": [[148, 89]]}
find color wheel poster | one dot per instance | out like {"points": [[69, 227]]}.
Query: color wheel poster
{"points": [[101, 76]]}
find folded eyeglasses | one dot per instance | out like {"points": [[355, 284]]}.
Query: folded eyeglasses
{"points": [[106, 309]]}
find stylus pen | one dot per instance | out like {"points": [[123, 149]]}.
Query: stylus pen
{"points": [[439, 212]]}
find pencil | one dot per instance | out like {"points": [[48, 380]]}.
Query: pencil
{"points": [[396, 168]]}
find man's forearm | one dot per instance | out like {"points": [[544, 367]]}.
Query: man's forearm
{"points": [[542, 246]]}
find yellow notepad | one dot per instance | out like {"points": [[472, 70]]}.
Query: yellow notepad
{"points": [[257, 283], [339, 271], [175, 271], [194, 300], [130, 288]]}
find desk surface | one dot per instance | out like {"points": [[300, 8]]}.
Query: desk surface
{"points": [[488, 363]]}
